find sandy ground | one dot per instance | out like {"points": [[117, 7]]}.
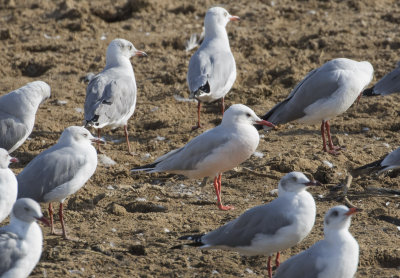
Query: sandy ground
{"points": [[124, 225]]}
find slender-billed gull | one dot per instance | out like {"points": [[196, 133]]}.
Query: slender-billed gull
{"points": [[336, 256], [324, 93], [60, 171], [111, 94], [215, 151], [18, 111], [212, 68], [269, 228]]}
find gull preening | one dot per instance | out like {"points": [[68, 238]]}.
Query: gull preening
{"points": [[324, 93], [212, 68], [269, 228], [60, 171], [8, 184], [336, 256], [215, 151], [21, 241], [18, 111], [111, 94]]}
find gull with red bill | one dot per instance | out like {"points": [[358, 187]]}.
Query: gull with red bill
{"points": [[269, 228], [111, 94], [21, 241], [212, 68], [8, 184], [215, 151], [60, 171], [336, 256]]}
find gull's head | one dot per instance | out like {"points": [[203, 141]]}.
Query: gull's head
{"points": [[78, 134], [338, 218], [6, 159], [42, 88], [121, 47], [241, 114], [28, 210], [218, 16], [295, 182]]}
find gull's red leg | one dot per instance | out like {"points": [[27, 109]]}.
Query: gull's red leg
{"points": [[217, 186], [127, 140], [277, 262], [332, 149], [269, 267], [323, 136], [51, 219], [198, 116], [61, 214]]}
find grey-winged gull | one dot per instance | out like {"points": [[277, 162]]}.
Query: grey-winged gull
{"points": [[390, 161], [215, 151], [389, 84], [17, 113], [111, 94], [60, 171], [269, 228], [8, 184], [212, 68], [336, 256], [324, 93], [21, 241]]}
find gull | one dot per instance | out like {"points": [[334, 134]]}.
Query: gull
{"points": [[269, 228], [336, 256], [111, 94], [212, 68], [60, 171], [389, 84], [324, 93], [8, 184], [215, 151], [18, 111], [390, 161], [21, 241]]}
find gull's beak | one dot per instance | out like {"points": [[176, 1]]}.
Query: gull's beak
{"points": [[98, 140], [352, 211], [14, 160], [266, 123], [313, 183], [44, 221], [140, 53], [234, 18]]}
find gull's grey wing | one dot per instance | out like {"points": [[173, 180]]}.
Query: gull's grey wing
{"points": [[302, 265], [265, 219], [9, 252], [389, 84], [187, 157], [109, 97], [318, 84], [215, 67], [390, 161], [12, 130], [49, 170]]}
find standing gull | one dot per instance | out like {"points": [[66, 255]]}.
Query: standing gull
{"points": [[390, 161], [212, 68], [111, 94], [324, 93], [60, 171], [21, 241], [8, 184], [215, 151], [336, 256], [18, 111], [389, 84], [269, 228]]}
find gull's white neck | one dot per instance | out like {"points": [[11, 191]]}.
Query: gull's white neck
{"points": [[118, 61], [216, 32]]}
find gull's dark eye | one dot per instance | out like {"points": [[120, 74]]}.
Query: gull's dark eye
{"points": [[248, 115], [130, 47], [225, 14], [26, 209], [335, 213], [85, 135]]}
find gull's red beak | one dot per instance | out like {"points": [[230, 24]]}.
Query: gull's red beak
{"points": [[14, 160], [266, 123], [352, 211], [234, 18], [44, 221], [98, 140], [140, 53], [313, 183]]}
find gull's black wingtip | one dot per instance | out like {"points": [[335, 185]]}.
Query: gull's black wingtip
{"points": [[369, 92]]}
